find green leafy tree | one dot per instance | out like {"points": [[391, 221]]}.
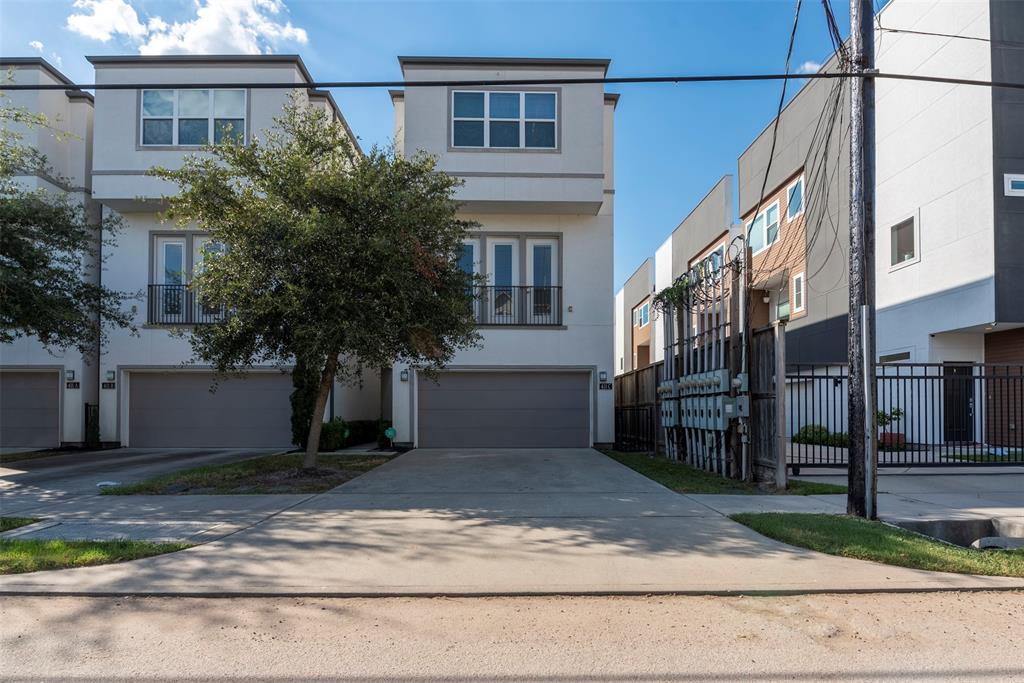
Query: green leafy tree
{"points": [[346, 261], [50, 246]]}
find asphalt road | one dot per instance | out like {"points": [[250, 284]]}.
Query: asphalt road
{"points": [[915, 637]]}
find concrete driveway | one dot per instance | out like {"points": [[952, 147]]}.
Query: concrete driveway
{"points": [[490, 521]]}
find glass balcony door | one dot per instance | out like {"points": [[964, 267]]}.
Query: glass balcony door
{"points": [[543, 303], [170, 269], [503, 275]]}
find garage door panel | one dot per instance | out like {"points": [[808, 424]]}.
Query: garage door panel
{"points": [[179, 410], [505, 409], [29, 409]]}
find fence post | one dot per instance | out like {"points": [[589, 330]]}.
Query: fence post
{"points": [[780, 404]]}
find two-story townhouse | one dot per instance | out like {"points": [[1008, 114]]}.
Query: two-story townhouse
{"points": [[152, 393], [43, 392], [537, 165]]}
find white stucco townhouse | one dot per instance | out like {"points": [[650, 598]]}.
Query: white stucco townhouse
{"points": [[538, 172]]}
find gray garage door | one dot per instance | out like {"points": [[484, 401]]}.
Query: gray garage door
{"points": [[505, 410], [176, 409], [29, 409]]}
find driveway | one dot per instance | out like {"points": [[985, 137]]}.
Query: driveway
{"points": [[491, 521]]}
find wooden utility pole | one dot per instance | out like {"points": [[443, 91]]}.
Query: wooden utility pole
{"points": [[863, 430]]}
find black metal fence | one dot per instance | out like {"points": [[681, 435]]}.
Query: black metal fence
{"points": [[929, 415], [180, 305], [518, 305]]}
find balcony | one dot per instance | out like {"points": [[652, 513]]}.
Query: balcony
{"points": [[518, 306], [180, 305]]}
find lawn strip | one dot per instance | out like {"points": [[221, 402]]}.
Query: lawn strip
{"points": [[18, 556]]}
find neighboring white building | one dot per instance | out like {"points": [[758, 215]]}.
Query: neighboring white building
{"points": [[43, 391], [151, 393], [537, 166], [950, 170]]}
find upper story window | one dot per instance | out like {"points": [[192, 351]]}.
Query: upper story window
{"points": [[191, 117], [795, 199], [642, 315], [903, 243], [504, 120], [763, 231], [798, 292]]}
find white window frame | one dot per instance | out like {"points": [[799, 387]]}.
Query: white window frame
{"points": [[803, 294], [803, 197], [645, 314], [487, 119], [778, 235], [1008, 180], [210, 117], [916, 217]]}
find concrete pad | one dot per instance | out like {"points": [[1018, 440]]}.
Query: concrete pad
{"points": [[735, 504], [194, 532]]}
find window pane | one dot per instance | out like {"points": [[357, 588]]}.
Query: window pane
{"points": [[229, 103], [503, 264], [174, 263], [1016, 185], [542, 265], [773, 214], [158, 103], [796, 199], [193, 131], [773, 232], [228, 129], [903, 242], [157, 132], [540, 105], [644, 315], [194, 103], [755, 234], [466, 259], [540, 134], [798, 292], [468, 134], [504, 133], [469, 105], [504, 105]]}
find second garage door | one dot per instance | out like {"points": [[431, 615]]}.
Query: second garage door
{"points": [[177, 410], [504, 410]]}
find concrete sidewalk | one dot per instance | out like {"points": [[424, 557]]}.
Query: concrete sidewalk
{"points": [[496, 522]]}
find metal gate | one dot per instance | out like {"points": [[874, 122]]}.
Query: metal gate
{"points": [[704, 393]]}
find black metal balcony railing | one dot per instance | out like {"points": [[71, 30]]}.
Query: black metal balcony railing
{"points": [[517, 305], [180, 305]]}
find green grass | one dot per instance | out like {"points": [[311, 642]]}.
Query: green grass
{"points": [[277, 473], [18, 556], [11, 523], [864, 540], [682, 478]]}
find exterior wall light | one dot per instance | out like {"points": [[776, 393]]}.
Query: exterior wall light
{"points": [[602, 376], [69, 375], [110, 375], [404, 375]]}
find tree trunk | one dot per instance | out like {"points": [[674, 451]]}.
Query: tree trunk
{"points": [[317, 420]]}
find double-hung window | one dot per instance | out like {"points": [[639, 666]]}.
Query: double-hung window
{"points": [[504, 119], [798, 292], [192, 117], [763, 231]]}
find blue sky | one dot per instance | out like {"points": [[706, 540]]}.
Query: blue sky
{"points": [[672, 141]]}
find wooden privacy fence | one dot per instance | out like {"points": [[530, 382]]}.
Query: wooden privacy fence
{"points": [[636, 409]]}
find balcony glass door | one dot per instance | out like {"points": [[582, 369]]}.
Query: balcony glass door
{"points": [[543, 303], [204, 248], [503, 274], [170, 269], [469, 262]]}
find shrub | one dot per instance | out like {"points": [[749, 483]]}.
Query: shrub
{"points": [[334, 435], [818, 435]]}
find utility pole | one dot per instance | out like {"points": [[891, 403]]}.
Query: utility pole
{"points": [[863, 453]]}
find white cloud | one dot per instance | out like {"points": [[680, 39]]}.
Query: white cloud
{"points": [[808, 67], [103, 19], [219, 26], [36, 45]]}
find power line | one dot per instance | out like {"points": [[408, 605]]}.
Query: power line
{"points": [[625, 80]]}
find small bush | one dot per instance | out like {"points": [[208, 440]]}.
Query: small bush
{"points": [[818, 435], [334, 435]]}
